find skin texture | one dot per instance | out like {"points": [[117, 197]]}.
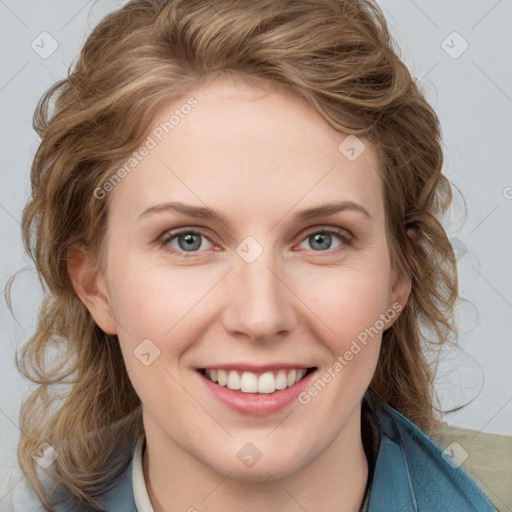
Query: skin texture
{"points": [[257, 155]]}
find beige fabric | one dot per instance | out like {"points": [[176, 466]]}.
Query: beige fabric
{"points": [[487, 460]]}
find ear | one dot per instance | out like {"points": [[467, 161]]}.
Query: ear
{"points": [[398, 297], [90, 287]]}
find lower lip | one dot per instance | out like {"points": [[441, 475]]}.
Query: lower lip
{"points": [[257, 404]]}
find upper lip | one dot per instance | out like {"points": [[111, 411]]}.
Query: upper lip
{"points": [[247, 367]]}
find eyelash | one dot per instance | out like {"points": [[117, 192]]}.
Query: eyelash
{"points": [[342, 234]]}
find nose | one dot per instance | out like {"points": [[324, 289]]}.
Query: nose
{"points": [[259, 301]]}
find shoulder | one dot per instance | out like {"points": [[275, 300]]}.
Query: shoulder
{"points": [[119, 498], [412, 472]]}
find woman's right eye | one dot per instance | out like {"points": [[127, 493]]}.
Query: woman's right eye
{"points": [[185, 241]]}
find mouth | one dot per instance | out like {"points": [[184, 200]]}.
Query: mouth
{"points": [[247, 382]]}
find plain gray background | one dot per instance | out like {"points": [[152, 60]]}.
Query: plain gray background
{"points": [[459, 51]]}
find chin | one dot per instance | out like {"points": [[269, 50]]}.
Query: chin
{"points": [[260, 461]]}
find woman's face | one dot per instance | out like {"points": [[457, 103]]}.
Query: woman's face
{"points": [[250, 273]]}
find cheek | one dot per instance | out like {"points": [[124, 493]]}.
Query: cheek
{"points": [[152, 301], [346, 302]]}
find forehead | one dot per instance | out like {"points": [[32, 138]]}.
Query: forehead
{"points": [[249, 146]]}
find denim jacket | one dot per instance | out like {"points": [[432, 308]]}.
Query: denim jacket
{"points": [[411, 474]]}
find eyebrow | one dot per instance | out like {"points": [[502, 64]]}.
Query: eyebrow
{"points": [[203, 212]]}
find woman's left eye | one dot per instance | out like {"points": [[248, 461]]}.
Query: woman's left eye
{"points": [[320, 240]]}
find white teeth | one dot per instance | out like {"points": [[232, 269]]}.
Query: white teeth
{"points": [[222, 377], [267, 383], [281, 382], [249, 382], [233, 380]]}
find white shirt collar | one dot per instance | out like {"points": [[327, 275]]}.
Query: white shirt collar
{"points": [[140, 493]]}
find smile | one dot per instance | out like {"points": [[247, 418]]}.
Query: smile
{"points": [[251, 382], [254, 390]]}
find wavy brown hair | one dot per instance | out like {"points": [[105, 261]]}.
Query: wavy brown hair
{"points": [[339, 57]]}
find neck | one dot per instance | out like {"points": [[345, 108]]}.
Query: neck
{"points": [[333, 481]]}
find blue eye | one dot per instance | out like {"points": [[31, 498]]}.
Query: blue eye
{"points": [[321, 241], [190, 241], [187, 241]]}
